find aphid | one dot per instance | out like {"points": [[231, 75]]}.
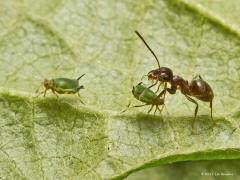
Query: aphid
{"points": [[147, 96], [197, 88], [62, 86]]}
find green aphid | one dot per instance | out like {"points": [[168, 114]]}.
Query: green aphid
{"points": [[62, 86], [147, 96]]}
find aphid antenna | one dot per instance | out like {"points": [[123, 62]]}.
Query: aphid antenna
{"points": [[128, 107], [139, 35], [40, 74], [80, 77]]}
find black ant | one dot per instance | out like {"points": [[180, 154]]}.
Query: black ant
{"points": [[197, 88]]}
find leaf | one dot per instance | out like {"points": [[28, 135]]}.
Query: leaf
{"points": [[222, 169], [223, 12], [61, 139]]}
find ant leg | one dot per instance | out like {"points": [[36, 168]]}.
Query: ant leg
{"points": [[163, 92], [211, 108], [153, 85], [214, 123], [165, 87], [197, 76], [54, 93], [128, 107], [195, 113], [150, 109], [158, 87]]}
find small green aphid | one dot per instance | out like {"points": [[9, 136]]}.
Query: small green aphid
{"points": [[147, 96], [62, 86]]}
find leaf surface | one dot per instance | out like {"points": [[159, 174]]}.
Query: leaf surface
{"points": [[53, 138]]}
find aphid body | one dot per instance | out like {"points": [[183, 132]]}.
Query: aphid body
{"points": [[147, 96], [62, 86]]}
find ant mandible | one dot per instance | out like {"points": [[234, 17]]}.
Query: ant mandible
{"points": [[197, 88]]}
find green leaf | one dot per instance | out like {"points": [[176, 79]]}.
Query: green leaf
{"points": [[49, 138], [215, 169]]}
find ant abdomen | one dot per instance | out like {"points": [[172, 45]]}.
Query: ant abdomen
{"points": [[201, 89]]}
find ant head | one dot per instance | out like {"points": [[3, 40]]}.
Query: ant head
{"points": [[47, 83], [162, 74], [153, 74]]}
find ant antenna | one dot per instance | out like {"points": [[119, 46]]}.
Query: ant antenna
{"points": [[139, 35]]}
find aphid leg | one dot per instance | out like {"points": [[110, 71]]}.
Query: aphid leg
{"points": [[150, 109], [54, 93], [45, 93], [42, 92], [80, 99], [155, 110], [128, 107], [160, 110], [195, 113], [37, 90], [80, 87], [138, 105], [195, 77]]}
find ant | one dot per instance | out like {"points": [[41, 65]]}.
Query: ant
{"points": [[197, 88]]}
